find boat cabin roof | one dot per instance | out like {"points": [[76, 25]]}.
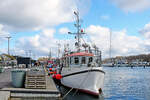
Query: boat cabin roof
{"points": [[80, 54]]}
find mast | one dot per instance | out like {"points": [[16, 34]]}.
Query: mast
{"points": [[79, 31], [58, 49], [110, 45], [77, 25], [50, 55]]}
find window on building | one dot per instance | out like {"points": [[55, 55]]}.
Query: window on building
{"points": [[83, 60], [97, 61], [76, 60]]}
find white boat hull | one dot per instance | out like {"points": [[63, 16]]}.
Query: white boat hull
{"points": [[86, 79]]}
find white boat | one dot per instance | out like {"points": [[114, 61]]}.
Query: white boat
{"points": [[81, 69], [108, 65]]}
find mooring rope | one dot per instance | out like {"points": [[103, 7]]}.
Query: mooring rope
{"points": [[67, 93]]}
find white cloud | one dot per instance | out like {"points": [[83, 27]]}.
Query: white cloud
{"points": [[2, 31], [3, 34], [122, 44], [40, 44], [146, 31], [30, 15], [132, 5], [63, 30], [36, 14]]}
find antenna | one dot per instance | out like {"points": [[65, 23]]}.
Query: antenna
{"points": [[79, 31]]}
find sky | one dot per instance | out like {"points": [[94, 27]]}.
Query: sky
{"points": [[37, 27]]}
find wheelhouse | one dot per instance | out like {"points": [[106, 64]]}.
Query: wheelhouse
{"points": [[81, 59]]}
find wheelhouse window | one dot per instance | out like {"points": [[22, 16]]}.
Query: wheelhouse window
{"points": [[97, 61], [83, 61], [90, 59], [76, 60], [67, 61], [70, 60]]}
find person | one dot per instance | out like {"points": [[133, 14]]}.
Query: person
{"points": [[35, 64], [60, 69], [144, 66]]}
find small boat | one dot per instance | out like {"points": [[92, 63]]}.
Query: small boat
{"points": [[81, 69], [108, 65]]}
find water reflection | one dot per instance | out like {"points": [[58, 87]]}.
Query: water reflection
{"points": [[120, 84], [127, 84], [77, 95]]}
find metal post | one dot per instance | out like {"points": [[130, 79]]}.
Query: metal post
{"points": [[30, 57], [58, 49], [8, 43], [110, 45]]}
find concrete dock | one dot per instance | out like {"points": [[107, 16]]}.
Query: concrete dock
{"points": [[7, 91]]}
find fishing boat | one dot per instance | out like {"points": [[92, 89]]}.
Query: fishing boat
{"points": [[81, 69]]}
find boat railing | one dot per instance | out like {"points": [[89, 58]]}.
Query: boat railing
{"points": [[95, 52]]}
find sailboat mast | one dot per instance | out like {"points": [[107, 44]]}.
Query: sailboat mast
{"points": [[50, 55], [110, 44]]}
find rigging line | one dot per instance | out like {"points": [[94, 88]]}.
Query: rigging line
{"points": [[83, 39], [90, 40], [67, 93]]}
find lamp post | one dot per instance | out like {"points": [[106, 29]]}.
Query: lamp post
{"points": [[8, 37]]}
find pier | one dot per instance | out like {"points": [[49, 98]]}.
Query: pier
{"points": [[8, 92]]}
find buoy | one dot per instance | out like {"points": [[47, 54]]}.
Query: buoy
{"points": [[51, 72], [50, 68], [58, 76], [55, 72], [81, 30], [54, 76]]}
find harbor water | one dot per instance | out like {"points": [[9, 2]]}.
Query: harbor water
{"points": [[121, 83]]}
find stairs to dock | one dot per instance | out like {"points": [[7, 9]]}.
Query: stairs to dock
{"points": [[35, 80]]}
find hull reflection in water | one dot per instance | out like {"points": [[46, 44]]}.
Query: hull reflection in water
{"points": [[77, 95]]}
